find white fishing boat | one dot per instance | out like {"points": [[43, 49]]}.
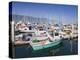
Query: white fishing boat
{"points": [[46, 41]]}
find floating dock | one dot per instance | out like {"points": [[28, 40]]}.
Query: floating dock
{"points": [[21, 42]]}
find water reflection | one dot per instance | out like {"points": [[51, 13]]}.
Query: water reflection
{"points": [[67, 47]]}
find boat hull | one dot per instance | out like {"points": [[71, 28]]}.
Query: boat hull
{"points": [[51, 44]]}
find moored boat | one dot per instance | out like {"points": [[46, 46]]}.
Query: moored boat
{"points": [[45, 43]]}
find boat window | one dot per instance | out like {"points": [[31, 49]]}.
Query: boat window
{"points": [[30, 27], [29, 34], [56, 34]]}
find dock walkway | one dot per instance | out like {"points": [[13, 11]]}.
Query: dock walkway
{"points": [[21, 42]]}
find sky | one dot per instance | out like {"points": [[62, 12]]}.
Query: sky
{"points": [[57, 12]]}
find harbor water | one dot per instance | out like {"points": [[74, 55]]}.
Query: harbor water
{"points": [[67, 47]]}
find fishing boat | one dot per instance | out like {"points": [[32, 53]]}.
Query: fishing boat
{"points": [[45, 41]]}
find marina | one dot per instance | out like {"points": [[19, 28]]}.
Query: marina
{"points": [[37, 41], [23, 33]]}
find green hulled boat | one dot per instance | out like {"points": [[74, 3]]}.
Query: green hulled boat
{"points": [[45, 42], [51, 44]]}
